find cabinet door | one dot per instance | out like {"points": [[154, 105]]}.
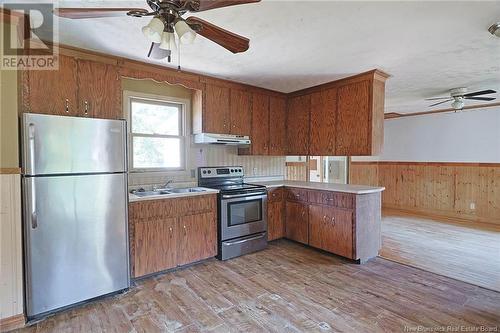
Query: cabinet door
{"points": [[277, 126], [317, 221], [323, 117], [216, 117], [337, 231], [353, 119], [297, 222], [54, 92], [260, 124], [155, 245], [241, 117], [197, 238], [99, 89], [275, 222], [298, 125]]}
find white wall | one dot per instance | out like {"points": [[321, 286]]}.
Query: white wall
{"points": [[467, 136], [11, 272]]}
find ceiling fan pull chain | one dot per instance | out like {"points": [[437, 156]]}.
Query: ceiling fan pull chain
{"points": [[179, 55]]}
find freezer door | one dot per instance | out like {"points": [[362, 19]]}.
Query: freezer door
{"points": [[76, 239], [68, 145]]}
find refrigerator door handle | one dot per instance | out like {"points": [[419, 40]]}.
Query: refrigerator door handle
{"points": [[31, 139], [32, 202]]}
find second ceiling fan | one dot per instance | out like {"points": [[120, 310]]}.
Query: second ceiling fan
{"points": [[167, 20]]}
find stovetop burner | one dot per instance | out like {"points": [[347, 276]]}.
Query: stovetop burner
{"points": [[237, 187], [226, 179]]}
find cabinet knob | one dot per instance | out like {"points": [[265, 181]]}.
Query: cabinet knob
{"points": [[185, 232], [67, 105], [333, 221]]}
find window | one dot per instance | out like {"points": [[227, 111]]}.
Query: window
{"points": [[157, 135]]}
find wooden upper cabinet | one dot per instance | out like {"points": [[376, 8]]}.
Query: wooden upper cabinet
{"points": [[298, 125], [53, 92], [216, 113], [360, 116], [323, 119], [353, 119], [260, 124], [241, 115], [277, 126], [99, 90]]}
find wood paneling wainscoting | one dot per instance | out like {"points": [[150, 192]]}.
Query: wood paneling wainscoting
{"points": [[469, 191], [296, 171]]}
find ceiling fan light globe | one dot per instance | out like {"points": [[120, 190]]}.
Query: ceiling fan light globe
{"points": [[153, 30], [168, 41], [165, 41], [185, 33]]}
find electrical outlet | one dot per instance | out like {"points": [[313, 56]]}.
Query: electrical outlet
{"points": [[254, 171], [472, 206]]}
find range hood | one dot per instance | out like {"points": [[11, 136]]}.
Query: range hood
{"points": [[222, 139]]}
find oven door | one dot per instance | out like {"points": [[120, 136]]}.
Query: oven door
{"points": [[243, 214]]}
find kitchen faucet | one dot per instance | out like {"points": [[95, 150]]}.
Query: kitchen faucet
{"points": [[164, 186]]}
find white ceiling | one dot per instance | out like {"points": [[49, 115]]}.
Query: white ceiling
{"points": [[428, 47]]}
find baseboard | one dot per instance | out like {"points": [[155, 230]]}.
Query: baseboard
{"points": [[12, 323], [442, 216]]}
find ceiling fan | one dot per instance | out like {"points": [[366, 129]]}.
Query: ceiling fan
{"points": [[459, 95], [167, 19]]}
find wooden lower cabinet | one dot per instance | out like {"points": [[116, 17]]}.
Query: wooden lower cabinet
{"points": [[330, 229], [167, 233], [155, 246], [196, 237], [297, 222], [345, 224], [275, 220]]}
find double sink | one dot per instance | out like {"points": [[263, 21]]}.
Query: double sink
{"points": [[142, 193]]}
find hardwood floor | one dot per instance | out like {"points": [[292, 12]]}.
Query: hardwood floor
{"points": [[286, 288], [464, 251]]}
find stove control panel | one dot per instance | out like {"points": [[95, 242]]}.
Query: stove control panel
{"points": [[220, 172]]}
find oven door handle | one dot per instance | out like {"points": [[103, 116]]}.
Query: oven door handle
{"points": [[245, 239], [230, 196]]}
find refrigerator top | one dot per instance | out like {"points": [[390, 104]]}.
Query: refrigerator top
{"points": [[58, 145]]}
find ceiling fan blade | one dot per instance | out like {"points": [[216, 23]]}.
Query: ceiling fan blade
{"points": [[449, 100], [482, 92], [481, 98], [156, 53], [436, 98], [228, 40], [84, 13], [212, 4]]}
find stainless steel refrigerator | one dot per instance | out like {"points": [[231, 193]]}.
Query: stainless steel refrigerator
{"points": [[74, 210]]}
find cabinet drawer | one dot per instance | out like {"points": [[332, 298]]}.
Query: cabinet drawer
{"points": [[195, 205], [343, 200], [152, 209], [320, 197], [296, 194], [274, 195]]}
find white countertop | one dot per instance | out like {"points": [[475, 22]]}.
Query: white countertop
{"points": [[135, 198], [345, 188]]}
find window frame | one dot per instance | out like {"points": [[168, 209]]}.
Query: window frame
{"points": [[129, 97]]}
